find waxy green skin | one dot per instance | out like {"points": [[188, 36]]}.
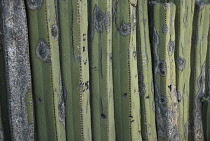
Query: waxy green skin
{"points": [[199, 49], [164, 71], [73, 25], [148, 124], [183, 28], [101, 80], [46, 75], [126, 93]]}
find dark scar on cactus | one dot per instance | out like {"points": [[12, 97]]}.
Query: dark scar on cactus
{"points": [[162, 68], [125, 29], [43, 51], [134, 55], [171, 47], [54, 32], [34, 4], [165, 6], [103, 116], [165, 29], [99, 18], [180, 63]]}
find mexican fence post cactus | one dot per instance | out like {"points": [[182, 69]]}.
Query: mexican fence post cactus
{"points": [[148, 125], [18, 93], [44, 49], [73, 25], [206, 98], [199, 49], [100, 52], [164, 71], [183, 28], [126, 92]]}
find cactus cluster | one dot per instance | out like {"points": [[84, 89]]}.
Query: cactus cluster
{"points": [[104, 70]]}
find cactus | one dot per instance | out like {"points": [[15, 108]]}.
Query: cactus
{"points": [[125, 75], [185, 10], [18, 104], [100, 52], [206, 98], [44, 49], [73, 25], [164, 71], [199, 49], [148, 124]]}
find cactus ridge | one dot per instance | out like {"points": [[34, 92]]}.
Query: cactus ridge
{"points": [[101, 79], [198, 74], [145, 71], [165, 87]]}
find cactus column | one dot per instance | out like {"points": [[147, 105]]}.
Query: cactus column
{"points": [[73, 24], [183, 22], [199, 49], [206, 98], [44, 49], [126, 92], [18, 75], [101, 84], [164, 71], [148, 124]]}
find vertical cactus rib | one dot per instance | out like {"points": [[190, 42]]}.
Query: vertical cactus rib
{"points": [[183, 22], [199, 49], [126, 93], [18, 75], [73, 24], [44, 51], [206, 97], [164, 71], [146, 89], [100, 42]]}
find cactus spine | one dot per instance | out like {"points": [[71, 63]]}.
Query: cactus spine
{"points": [[127, 102], [199, 49], [164, 71], [100, 39], [44, 51], [145, 74], [75, 68]]}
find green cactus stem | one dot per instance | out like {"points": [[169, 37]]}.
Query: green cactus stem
{"points": [[164, 71], [183, 22], [44, 51], [146, 89], [101, 84], [125, 74], [73, 24], [206, 98], [199, 49]]}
